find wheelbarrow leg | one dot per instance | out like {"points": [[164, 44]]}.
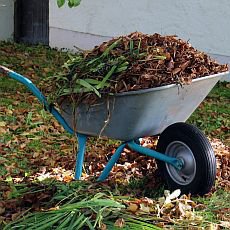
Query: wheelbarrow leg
{"points": [[111, 163], [80, 155]]}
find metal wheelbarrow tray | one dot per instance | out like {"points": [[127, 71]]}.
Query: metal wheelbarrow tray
{"points": [[183, 153], [130, 115]]}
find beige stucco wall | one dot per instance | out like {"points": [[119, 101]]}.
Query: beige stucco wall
{"points": [[6, 19]]}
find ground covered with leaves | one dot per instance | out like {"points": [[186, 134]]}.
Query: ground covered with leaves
{"points": [[37, 158]]}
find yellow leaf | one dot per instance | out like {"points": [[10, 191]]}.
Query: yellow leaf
{"points": [[132, 207], [36, 154], [2, 131], [144, 208], [25, 134], [54, 208], [8, 111], [2, 123], [68, 178]]}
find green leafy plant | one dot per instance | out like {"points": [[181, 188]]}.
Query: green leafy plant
{"points": [[85, 74], [71, 3], [98, 71], [88, 212]]}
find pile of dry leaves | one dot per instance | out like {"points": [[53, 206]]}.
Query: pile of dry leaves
{"points": [[133, 62], [158, 60]]}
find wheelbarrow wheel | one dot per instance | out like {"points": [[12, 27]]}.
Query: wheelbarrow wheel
{"points": [[188, 143]]}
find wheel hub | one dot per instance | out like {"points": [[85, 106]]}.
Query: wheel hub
{"points": [[183, 153]]}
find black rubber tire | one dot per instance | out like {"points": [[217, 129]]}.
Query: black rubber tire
{"points": [[205, 163]]}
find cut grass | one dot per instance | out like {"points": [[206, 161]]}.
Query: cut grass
{"points": [[80, 196]]}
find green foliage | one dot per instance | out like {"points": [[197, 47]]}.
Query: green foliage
{"points": [[85, 74], [95, 72], [74, 214], [71, 3]]}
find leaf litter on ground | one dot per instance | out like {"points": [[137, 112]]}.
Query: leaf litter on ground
{"points": [[24, 160]]}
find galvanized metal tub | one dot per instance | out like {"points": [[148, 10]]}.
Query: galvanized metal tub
{"points": [[130, 115]]}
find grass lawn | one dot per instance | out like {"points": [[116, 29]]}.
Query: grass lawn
{"points": [[37, 158]]}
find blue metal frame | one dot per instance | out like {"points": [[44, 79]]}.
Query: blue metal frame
{"points": [[80, 155], [38, 94], [111, 162], [82, 139], [177, 163]]}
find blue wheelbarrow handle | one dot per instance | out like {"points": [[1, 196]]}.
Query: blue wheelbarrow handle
{"points": [[81, 137], [29, 84]]}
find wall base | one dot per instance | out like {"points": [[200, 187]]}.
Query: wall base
{"points": [[73, 40]]}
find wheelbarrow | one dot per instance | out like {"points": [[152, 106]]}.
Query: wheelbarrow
{"points": [[183, 153]]}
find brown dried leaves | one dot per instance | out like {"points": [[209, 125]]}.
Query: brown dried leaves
{"points": [[157, 60]]}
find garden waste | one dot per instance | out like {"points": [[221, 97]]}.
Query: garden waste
{"points": [[133, 62]]}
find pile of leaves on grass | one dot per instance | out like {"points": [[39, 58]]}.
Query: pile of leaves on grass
{"points": [[133, 62]]}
